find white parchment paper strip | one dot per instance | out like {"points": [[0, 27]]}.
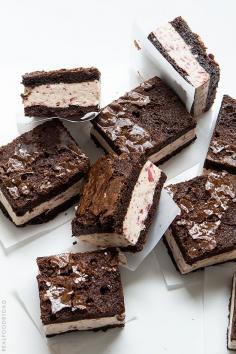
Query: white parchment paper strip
{"points": [[165, 70]]}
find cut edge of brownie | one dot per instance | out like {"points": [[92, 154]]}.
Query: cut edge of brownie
{"points": [[217, 166]]}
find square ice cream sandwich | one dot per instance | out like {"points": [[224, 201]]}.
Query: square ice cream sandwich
{"points": [[41, 174], [66, 93], [150, 120], [118, 202], [80, 291], [204, 233]]}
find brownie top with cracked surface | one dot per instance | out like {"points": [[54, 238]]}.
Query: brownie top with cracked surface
{"points": [[207, 223], [76, 286], [145, 119], [39, 165]]}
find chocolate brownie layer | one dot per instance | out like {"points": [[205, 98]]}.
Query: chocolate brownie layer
{"points": [[204, 71], [37, 78], [205, 231], [114, 188], [140, 122], [222, 150], [81, 291], [44, 165], [61, 93], [68, 112]]}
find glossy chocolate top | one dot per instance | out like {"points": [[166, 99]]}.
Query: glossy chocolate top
{"points": [[78, 286], [38, 164], [207, 221], [144, 119]]}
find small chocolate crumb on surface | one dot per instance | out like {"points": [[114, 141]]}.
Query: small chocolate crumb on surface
{"points": [[137, 44]]}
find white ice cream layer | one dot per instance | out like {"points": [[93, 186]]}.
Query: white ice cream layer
{"points": [[231, 341], [137, 212], [187, 268], [63, 95], [141, 202], [83, 325], [44, 207], [161, 154], [182, 55]]}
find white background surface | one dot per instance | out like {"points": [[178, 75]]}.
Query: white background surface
{"points": [[52, 34]]}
